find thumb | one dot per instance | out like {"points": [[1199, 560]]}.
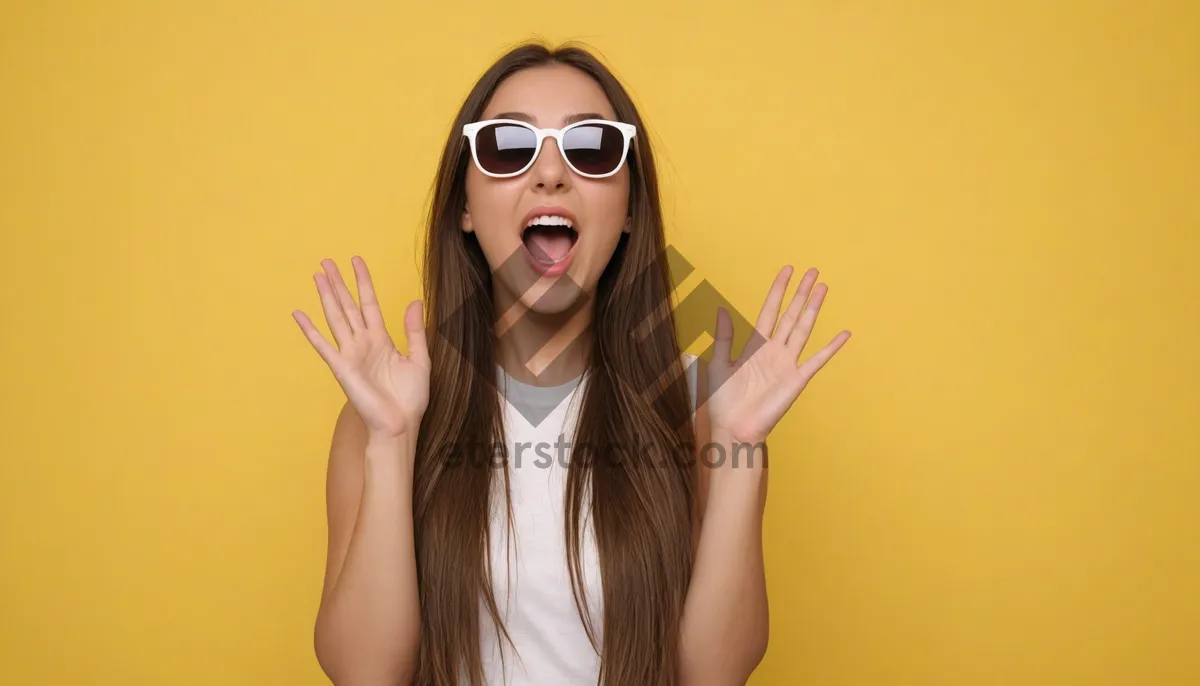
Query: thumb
{"points": [[414, 332], [723, 338]]}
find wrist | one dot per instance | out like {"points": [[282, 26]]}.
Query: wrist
{"points": [[738, 482], [391, 447], [725, 451]]}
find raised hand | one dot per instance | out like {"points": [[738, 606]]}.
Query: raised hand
{"points": [[389, 390], [751, 394]]}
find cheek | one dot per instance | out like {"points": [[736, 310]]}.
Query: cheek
{"points": [[608, 205], [492, 206]]}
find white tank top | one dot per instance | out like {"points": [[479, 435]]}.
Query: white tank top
{"points": [[530, 577]]}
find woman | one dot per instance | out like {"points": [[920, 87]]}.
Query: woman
{"points": [[545, 252]]}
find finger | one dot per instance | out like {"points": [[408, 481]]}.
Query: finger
{"points": [[814, 364], [345, 299], [334, 315], [752, 346], [798, 337], [784, 330], [414, 331], [770, 308], [322, 346], [372, 315], [723, 339]]}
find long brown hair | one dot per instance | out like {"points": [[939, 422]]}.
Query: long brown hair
{"points": [[635, 417]]}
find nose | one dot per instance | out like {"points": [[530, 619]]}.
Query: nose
{"points": [[550, 170]]}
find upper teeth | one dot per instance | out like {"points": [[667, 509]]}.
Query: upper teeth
{"points": [[550, 220]]}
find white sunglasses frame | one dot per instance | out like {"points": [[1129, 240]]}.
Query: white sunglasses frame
{"points": [[629, 131]]}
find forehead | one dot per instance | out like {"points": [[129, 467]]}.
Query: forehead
{"points": [[549, 95]]}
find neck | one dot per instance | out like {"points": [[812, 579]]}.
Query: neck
{"points": [[543, 349]]}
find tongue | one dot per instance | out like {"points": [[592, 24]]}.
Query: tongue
{"points": [[548, 243]]}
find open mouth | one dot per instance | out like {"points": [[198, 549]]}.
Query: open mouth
{"points": [[549, 239]]}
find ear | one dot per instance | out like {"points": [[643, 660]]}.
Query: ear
{"points": [[467, 225], [628, 222]]}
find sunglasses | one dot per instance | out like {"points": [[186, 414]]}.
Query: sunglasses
{"points": [[595, 148]]}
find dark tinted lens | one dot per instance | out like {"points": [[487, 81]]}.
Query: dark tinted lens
{"points": [[594, 148], [504, 148]]}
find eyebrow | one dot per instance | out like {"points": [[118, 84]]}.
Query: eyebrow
{"points": [[569, 119]]}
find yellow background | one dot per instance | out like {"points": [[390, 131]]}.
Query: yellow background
{"points": [[996, 482]]}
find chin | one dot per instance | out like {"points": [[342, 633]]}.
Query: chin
{"points": [[553, 296]]}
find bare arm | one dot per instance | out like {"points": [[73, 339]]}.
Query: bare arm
{"points": [[725, 620], [368, 624]]}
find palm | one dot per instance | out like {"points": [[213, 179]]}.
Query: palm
{"points": [[751, 394], [388, 389]]}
